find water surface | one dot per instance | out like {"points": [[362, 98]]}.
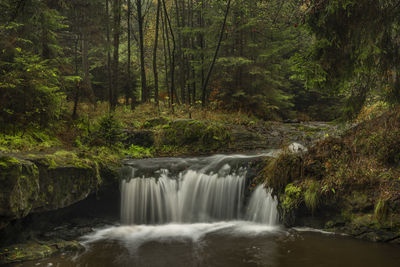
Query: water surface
{"points": [[222, 244]]}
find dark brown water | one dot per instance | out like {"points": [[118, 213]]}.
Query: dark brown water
{"points": [[224, 244]]}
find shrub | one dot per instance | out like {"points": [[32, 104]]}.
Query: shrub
{"points": [[109, 132], [30, 91]]}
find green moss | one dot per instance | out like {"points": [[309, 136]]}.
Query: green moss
{"points": [[283, 170], [6, 162], [362, 220], [198, 135], [381, 210], [20, 186], [34, 139], [312, 196], [160, 121], [26, 252], [329, 224], [64, 158], [291, 199], [139, 152], [50, 189]]}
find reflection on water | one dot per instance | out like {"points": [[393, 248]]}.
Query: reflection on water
{"points": [[224, 244]]}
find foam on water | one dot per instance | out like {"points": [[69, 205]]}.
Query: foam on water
{"points": [[134, 236]]}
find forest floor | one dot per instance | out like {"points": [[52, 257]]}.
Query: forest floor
{"points": [[149, 132]]}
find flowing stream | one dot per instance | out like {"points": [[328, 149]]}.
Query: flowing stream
{"points": [[184, 212], [210, 193]]}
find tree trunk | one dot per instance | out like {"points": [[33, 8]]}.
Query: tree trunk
{"points": [[166, 57], [77, 89], [86, 83], [140, 18], [202, 42], [172, 62], [204, 89], [155, 54], [117, 24], [109, 78], [128, 88]]}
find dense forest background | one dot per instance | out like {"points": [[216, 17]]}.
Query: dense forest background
{"points": [[272, 59]]}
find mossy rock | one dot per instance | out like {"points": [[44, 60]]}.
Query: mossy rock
{"points": [[199, 135], [66, 184], [19, 189], [283, 170], [155, 122], [47, 182], [36, 251]]}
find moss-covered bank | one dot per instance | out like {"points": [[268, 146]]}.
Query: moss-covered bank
{"points": [[347, 184], [45, 182]]}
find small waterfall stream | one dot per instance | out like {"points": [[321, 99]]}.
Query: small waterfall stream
{"points": [[193, 191], [203, 212]]}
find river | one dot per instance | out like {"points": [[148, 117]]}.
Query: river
{"points": [[207, 212]]}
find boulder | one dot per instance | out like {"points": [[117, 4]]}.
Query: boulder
{"points": [[19, 189]]}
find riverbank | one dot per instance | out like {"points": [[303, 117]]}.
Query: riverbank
{"points": [[348, 184]]}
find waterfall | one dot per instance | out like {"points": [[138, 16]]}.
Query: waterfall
{"points": [[205, 190], [262, 207]]}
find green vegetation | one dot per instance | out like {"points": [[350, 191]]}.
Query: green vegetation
{"points": [[356, 51], [291, 199], [350, 183], [381, 210], [195, 134], [311, 196], [35, 251], [283, 170]]}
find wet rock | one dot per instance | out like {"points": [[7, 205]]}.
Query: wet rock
{"points": [[69, 246], [19, 189], [36, 250], [378, 235], [64, 186], [245, 140], [67, 232], [297, 148]]}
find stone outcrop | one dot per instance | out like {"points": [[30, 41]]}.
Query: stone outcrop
{"points": [[44, 183]]}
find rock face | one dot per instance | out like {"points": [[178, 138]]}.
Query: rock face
{"points": [[19, 181], [42, 184]]}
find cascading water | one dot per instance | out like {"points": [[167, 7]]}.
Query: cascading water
{"points": [[200, 213], [201, 190]]}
